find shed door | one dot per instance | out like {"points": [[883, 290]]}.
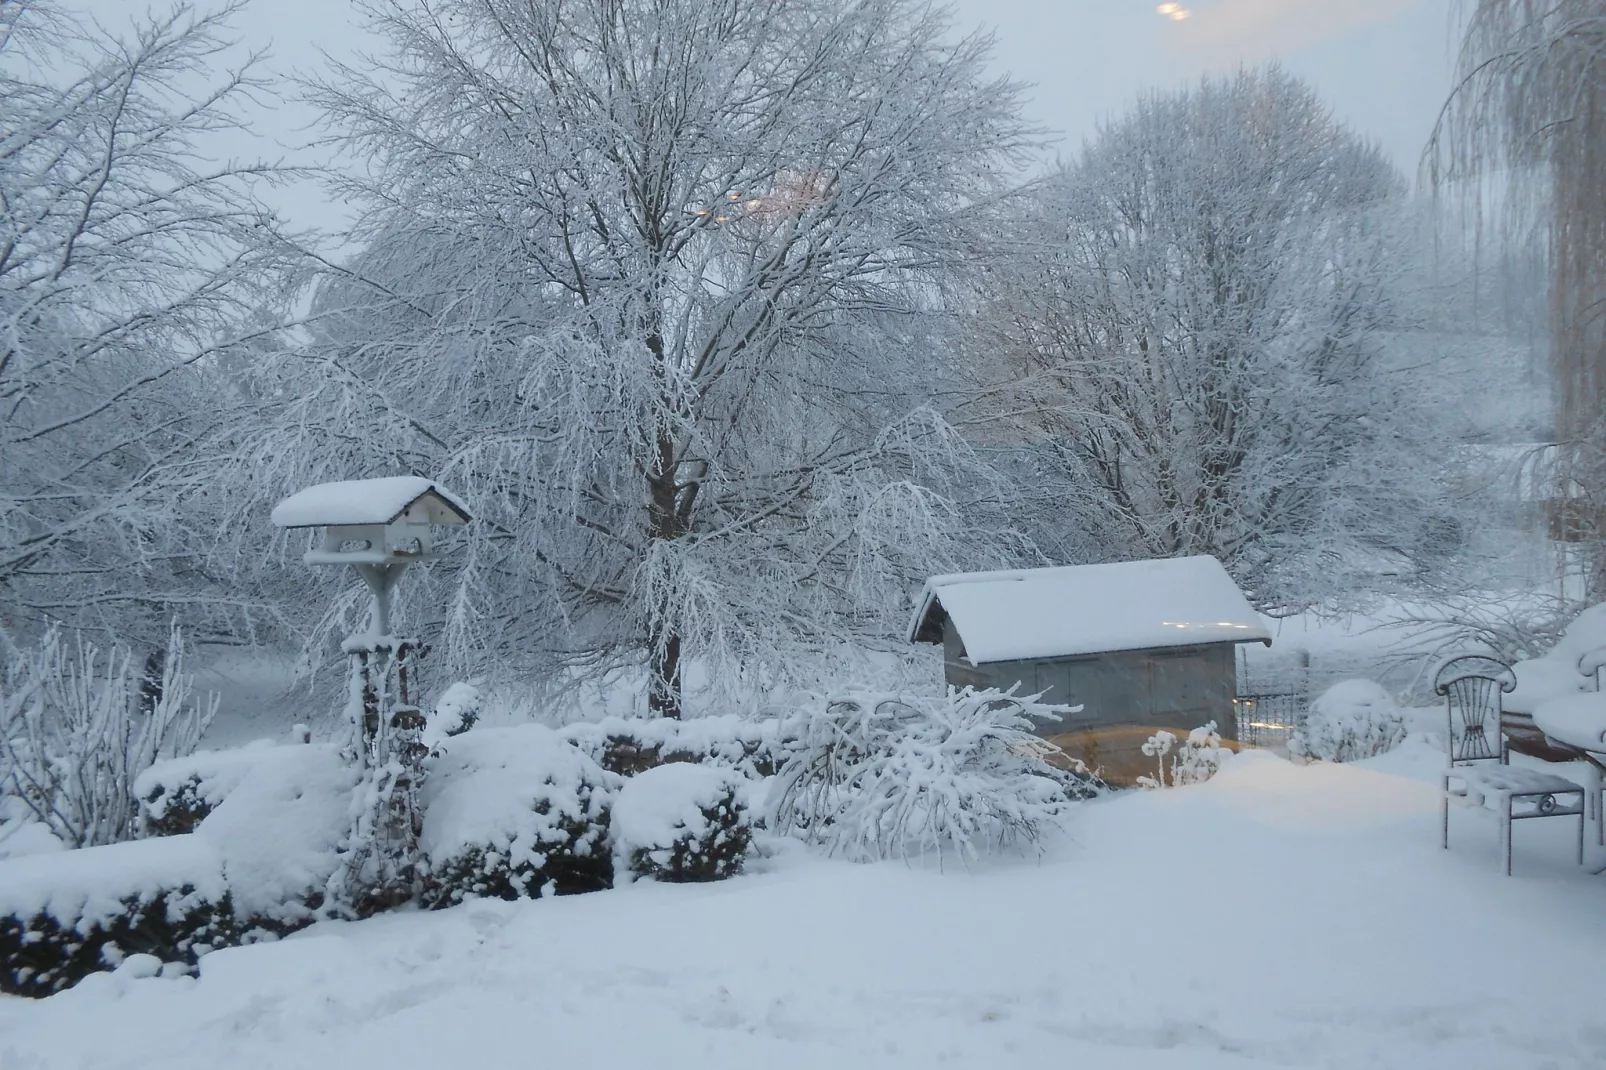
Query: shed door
{"points": [[1183, 687]]}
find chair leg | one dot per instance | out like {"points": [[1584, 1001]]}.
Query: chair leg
{"points": [[1507, 828], [1444, 806], [1600, 815]]}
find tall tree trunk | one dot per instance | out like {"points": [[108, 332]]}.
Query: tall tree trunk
{"points": [[665, 523]]}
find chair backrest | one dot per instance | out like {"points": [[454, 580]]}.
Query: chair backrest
{"points": [[1472, 685]]}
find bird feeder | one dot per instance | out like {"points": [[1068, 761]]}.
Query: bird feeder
{"points": [[378, 526]]}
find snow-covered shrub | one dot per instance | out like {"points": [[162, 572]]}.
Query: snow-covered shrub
{"points": [[512, 813], [21, 833], [885, 775], [78, 727], [755, 748], [1196, 761], [255, 867], [1353, 719], [456, 711], [680, 822], [64, 916], [279, 830], [176, 794]]}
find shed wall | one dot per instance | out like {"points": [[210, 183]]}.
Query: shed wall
{"points": [[1126, 696]]}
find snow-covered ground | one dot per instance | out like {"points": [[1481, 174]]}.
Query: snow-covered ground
{"points": [[1280, 915]]}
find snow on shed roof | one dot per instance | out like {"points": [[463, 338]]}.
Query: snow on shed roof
{"points": [[367, 501], [1088, 609]]}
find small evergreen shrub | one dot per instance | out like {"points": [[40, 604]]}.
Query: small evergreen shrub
{"points": [[176, 794], [514, 813], [681, 823], [1352, 720]]}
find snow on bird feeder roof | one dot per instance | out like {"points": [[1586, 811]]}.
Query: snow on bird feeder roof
{"points": [[369, 501], [1023, 614]]}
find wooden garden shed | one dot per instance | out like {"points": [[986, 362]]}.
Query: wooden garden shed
{"points": [[1140, 645]]}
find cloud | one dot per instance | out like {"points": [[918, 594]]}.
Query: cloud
{"points": [[1257, 29]]}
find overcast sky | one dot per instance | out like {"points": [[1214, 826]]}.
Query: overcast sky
{"points": [[1383, 65]]}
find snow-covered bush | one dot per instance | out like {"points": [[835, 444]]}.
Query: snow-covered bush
{"points": [[64, 916], [1196, 761], [1353, 719], [513, 813], [279, 831], [176, 794], [21, 833], [680, 822], [753, 747], [256, 866], [456, 711], [77, 728], [884, 775]]}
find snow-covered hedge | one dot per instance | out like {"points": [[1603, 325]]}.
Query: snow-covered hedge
{"points": [[176, 795], [753, 747], [1353, 719], [889, 774], [279, 831], [66, 915], [512, 813], [255, 866], [680, 822]]}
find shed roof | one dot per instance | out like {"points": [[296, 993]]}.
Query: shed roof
{"points": [[367, 501], [1088, 609]]}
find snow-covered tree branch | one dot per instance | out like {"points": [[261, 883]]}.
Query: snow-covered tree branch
{"points": [[128, 267], [1199, 335], [659, 287]]}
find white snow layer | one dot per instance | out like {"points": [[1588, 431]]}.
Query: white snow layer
{"points": [[87, 886], [1278, 916], [357, 501], [1557, 673], [1084, 609], [211, 774], [277, 832]]}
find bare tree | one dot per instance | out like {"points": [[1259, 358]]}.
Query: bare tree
{"points": [[655, 285], [1524, 133], [125, 269], [1203, 316]]}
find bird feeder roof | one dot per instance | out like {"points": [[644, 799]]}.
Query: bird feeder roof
{"points": [[369, 501]]}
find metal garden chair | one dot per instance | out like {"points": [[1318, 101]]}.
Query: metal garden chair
{"points": [[1472, 686]]}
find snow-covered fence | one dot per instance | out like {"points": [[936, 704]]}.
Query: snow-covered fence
{"points": [[1268, 719]]}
